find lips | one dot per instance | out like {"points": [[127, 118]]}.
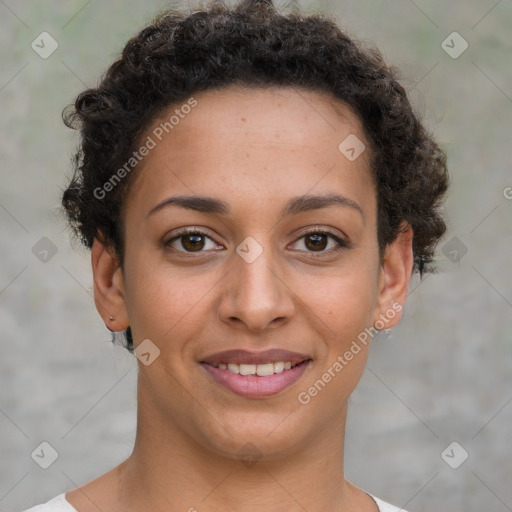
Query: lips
{"points": [[246, 357], [248, 373]]}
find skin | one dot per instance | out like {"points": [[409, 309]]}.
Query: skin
{"points": [[254, 149]]}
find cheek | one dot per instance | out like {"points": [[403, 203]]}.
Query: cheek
{"points": [[344, 320], [344, 301], [345, 311], [165, 304]]}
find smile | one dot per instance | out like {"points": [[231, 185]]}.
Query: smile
{"points": [[263, 370], [256, 380]]}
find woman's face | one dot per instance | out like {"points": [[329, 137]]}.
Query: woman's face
{"points": [[254, 278]]}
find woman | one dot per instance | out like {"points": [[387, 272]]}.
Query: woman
{"points": [[256, 192]]}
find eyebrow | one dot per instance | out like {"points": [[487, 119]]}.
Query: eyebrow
{"points": [[294, 206]]}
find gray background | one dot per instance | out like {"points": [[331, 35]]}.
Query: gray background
{"points": [[443, 375]]}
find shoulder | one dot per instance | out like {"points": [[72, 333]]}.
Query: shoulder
{"points": [[386, 507], [57, 504]]}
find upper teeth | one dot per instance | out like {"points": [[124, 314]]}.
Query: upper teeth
{"points": [[257, 369]]}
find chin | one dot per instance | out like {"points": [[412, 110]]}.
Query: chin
{"points": [[251, 438]]}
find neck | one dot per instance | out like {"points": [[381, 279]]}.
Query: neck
{"points": [[170, 471]]}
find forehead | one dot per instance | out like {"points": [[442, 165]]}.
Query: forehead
{"points": [[265, 114], [260, 143]]}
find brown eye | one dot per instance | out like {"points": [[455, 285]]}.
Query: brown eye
{"points": [[316, 242], [190, 241]]}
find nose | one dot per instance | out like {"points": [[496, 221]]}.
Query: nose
{"points": [[255, 294]]}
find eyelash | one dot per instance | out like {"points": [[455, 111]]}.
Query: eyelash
{"points": [[342, 244]]}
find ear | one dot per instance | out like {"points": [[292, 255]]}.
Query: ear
{"points": [[108, 287], [394, 278]]}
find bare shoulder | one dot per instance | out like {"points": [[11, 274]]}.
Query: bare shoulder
{"points": [[361, 500], [98, 494]]}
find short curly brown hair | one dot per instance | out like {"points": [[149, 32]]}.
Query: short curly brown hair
{"points": [[253, 44]]}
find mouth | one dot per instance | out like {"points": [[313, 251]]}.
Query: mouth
{"points": [[256, 374], [261, 370]]}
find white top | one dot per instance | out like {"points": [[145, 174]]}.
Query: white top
{"points": [[60, 504]]}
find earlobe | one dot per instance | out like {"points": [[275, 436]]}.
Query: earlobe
{"points": [[108, 287], [394, 278]]}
